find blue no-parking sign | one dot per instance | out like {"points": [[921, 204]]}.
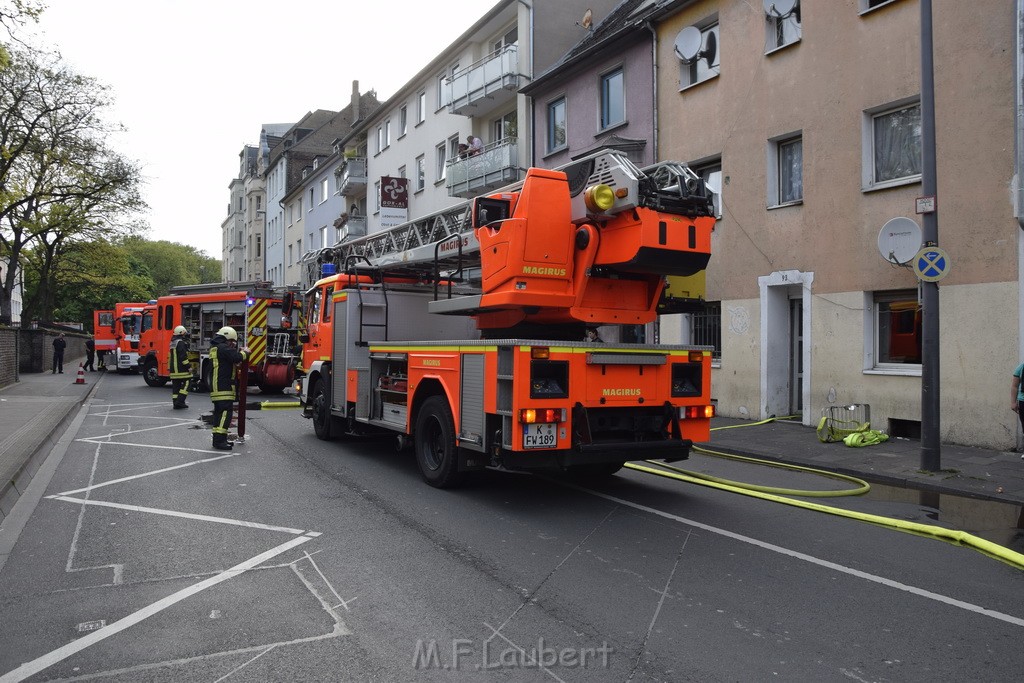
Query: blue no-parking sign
{"points": [[931, 264]]}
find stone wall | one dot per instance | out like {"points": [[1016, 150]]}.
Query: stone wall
{"points": [[32, 351], [8, 355]]}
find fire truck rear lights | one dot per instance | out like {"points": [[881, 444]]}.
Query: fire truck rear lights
{"points": [[696, 412], [540, 352], [545, 415], [696, 356]]}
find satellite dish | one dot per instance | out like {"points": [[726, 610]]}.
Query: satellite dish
{"points": [[899, 240], [588, 19], [688, 46], [780, 9]]}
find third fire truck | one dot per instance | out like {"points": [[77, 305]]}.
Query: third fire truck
{"points": [[256, 312], [462, 332]]}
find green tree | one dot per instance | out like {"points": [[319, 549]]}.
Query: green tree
{"points": [[13, 15], [59, 182], [172, 264]]}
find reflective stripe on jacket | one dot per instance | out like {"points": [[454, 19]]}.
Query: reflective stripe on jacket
{"points": [[222, 377], [179, 367]]}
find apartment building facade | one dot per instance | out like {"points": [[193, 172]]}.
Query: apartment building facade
{"points": [[809, 125]]}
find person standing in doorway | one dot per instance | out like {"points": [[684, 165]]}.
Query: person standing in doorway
{"points": [[179, 368], [224, 357], [90, 353], [59, 344]]}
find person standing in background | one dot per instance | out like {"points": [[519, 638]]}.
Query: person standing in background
{"points": [[59, 344], [90, 353], [179, 368], [224, 357]]}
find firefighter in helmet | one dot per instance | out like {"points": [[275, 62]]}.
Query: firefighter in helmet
{"points": [[179, 367], [224, 356]]}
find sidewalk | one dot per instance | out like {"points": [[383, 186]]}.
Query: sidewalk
{"points": [[34, 413]]}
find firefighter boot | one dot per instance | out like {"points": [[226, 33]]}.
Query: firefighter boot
{"points": [[220, 442], [179, 402]]}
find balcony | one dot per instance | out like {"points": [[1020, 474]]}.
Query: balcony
{"points": [[352, 176], [485, 85], [354, 227], [495, 167]]}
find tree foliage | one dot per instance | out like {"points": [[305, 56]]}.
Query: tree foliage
{"points": [[60, 184], [171, 264]]}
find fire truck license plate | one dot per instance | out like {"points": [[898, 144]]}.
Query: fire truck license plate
{"points": [[539, 435]]}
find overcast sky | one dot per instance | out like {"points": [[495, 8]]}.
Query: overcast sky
{"points": [[194, 80]]}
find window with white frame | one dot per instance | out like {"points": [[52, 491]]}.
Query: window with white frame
{"points": [[704, 66], [376, 197], [421, 107], [785, 170], [401, 172], [380, 139], [556, 125], [403, 121], [325, 190], [441, 161], [505, 127], [442, 90], [613, 99], [387, 133], [421, 172], [289, 254], [710, 171], [866, 5], [896, 324], [782, 31], [511, 37], [323, 238], [892, 145]]}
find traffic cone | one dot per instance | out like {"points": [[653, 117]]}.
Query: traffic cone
{"points": [[81, 375]]}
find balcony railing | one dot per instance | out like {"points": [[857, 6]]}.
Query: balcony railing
{"points": [[352, 179], [355, 226], [496, 166], [484, 85]]}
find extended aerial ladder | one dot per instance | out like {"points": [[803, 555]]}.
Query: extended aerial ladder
{"points": [[443, 246]]}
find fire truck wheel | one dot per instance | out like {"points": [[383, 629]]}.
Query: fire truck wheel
{"points": [[322, 418], [150, 374], [434, 439]]}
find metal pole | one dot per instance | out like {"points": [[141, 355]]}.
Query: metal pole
{"points": [[931, 447]]}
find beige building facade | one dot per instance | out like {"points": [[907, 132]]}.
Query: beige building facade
{"points": [[808, 125]]}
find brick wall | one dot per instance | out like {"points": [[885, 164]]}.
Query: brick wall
{"points": [[35, 352], [8, 356]]}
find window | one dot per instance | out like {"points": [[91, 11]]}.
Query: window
{"points": [[897, 329], [312, 198], [782, 31], [401, 172], [325, 189], [505, 127], [259, 244], [510, 38], [259, 201], [785, 170], [403, 121], [866, 5], [893, 145], [421, 172], [376, 197], [441, 155], [421, 107], [300, 205], [380, 139], [289, 254], [442, 89], [613, 103], [706, 328], [710, 171], [324, 237], [556, 125], [706, 65], [387, 133]]}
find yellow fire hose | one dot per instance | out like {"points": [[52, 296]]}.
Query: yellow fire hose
{"points": [[778, 495]]}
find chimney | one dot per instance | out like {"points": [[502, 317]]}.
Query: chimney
{"points": [[356, 114]]}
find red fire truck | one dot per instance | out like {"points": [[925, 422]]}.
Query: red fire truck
{"points": [[461, 332], [117, 334], [253, 309]]}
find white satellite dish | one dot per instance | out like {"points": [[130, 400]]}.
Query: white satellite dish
{"points": [[780, 9], [689, 46], [899, 240]]}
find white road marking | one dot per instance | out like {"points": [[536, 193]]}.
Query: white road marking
{"points": [[62, 653], [116, 569], [1016, 621], [93, 487], [183, 515], [148, 445]]}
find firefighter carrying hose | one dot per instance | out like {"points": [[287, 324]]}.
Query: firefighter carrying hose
{"points": [[224, 356], [179, 367]]}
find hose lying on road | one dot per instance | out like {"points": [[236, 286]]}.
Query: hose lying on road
{"points": [[952, 536]]}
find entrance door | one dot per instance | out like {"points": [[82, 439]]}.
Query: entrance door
{"points": [[796, 356]]}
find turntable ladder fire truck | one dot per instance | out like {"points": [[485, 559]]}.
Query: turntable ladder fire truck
{"points": [[460, 332]]}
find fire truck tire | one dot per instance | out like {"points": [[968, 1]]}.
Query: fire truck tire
{"points": [[150, 373], [434, 441], [206, 377], [323, 421]]}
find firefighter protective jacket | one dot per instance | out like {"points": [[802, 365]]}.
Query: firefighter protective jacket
{"points": [[222, 377], [179, 367]]}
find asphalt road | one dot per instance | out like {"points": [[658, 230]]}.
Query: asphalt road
{"points": [[153, 557]]}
